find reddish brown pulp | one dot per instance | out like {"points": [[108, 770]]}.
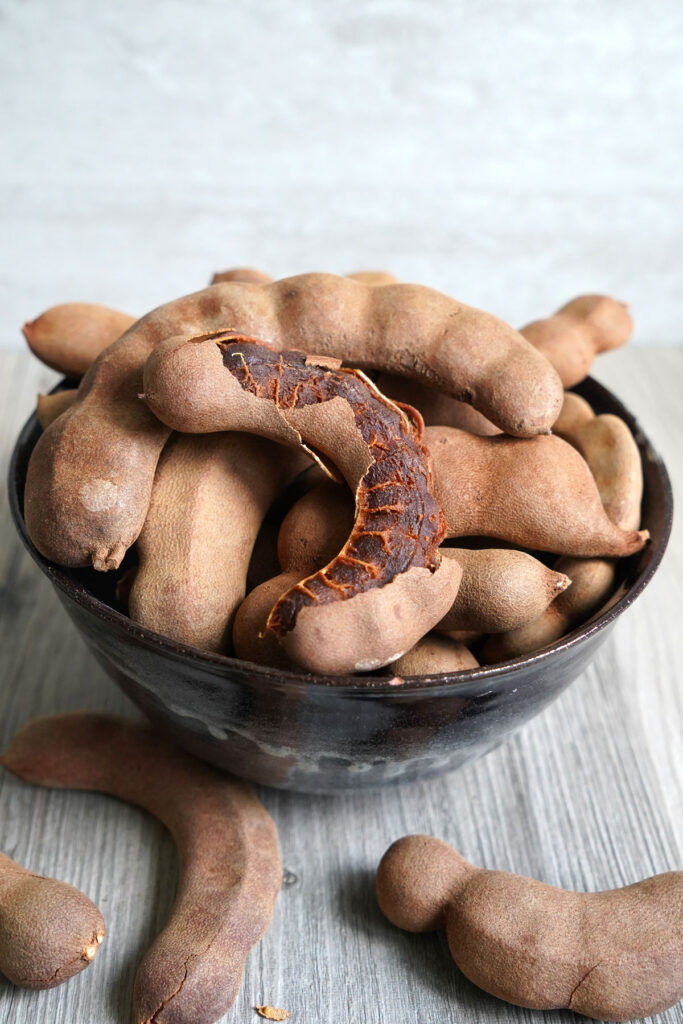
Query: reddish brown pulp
{"points": [[398, 524]]}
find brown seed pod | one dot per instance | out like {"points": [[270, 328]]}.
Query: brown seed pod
{"points": [[89, 507], [230, 870], [251, 639], [376, 278], [386, 588], [209, 498], [316, 527], [501, 589], [538, 493], [578, 331], [248, 275], [49, 930], [574, 413], [612, 455], [615, 955], [49, 407], [431, 655], [436, 408], [71, 336]]}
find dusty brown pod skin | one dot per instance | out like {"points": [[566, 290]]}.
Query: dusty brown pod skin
{"points": [[614, 460], [500, 590], [436, 408], [391, 555], [251, 639], [49, 407], [229, 865], [49, 930], [575, 412], [431, 655], [376, 278], [248, 275], [581, 329], [538, 494], [71, 336], [316, 528], [209, 499], [615, 955], [90, 476]]}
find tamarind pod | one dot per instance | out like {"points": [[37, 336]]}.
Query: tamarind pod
{"points": [[612, 455], [436, 408], [229, 865], [500, 590], [250, 637], [49, 930], [49, 407], [572, 337], [539, 494], [209, 498], [91, 472], [433, 654], [69, 337], [614, 955], [574, 413], [388, 574], [316, 528], [247, 275], [376, 278]]}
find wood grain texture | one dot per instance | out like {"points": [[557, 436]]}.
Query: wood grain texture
{"points": [[588, 796]]}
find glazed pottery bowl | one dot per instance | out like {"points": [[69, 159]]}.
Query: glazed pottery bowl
{"points": [[323, 733]]}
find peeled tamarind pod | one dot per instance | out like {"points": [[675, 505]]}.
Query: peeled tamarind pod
{"points": [[500, 590], [71, 336], [49, 407], [245, 274], [387, 586], [49, 930], [209, 498], [578, 331], [90, 475], [433, 654], [229, 865], [574, 413], [251, 639], [614, 955], [538, 494]]}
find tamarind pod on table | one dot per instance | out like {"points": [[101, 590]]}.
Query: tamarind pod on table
{"points": [[614, 955], [49, 931], [229, 864]]}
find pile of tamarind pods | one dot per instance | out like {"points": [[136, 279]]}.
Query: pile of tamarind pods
{"points": [[465, 508]]}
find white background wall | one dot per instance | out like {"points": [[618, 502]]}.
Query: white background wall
{"points": [[510, 153]]}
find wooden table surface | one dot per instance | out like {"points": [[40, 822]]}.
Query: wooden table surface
{"points": [[587, 796]]}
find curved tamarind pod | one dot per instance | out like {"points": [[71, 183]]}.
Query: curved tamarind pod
{"points": [[90, 475], [612, 455], [49, 407], [229, 865], [209, 498], [250, 637], [537, 493], [436, 408], [247, 275], [433, 654], [574, 413], [501, 589], [573, 336], [49, 930], [69, 337], [382, 591], [614, 955]]}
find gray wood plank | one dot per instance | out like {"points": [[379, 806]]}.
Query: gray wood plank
{"points": [[588, 795]]}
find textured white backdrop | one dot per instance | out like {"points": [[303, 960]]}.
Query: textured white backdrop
{"points": [[512, 153]]}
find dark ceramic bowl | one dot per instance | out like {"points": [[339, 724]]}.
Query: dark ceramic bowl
{"points": [[321, 734]]}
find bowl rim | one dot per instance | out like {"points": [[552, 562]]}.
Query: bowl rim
{"points": [[469, 682]]}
